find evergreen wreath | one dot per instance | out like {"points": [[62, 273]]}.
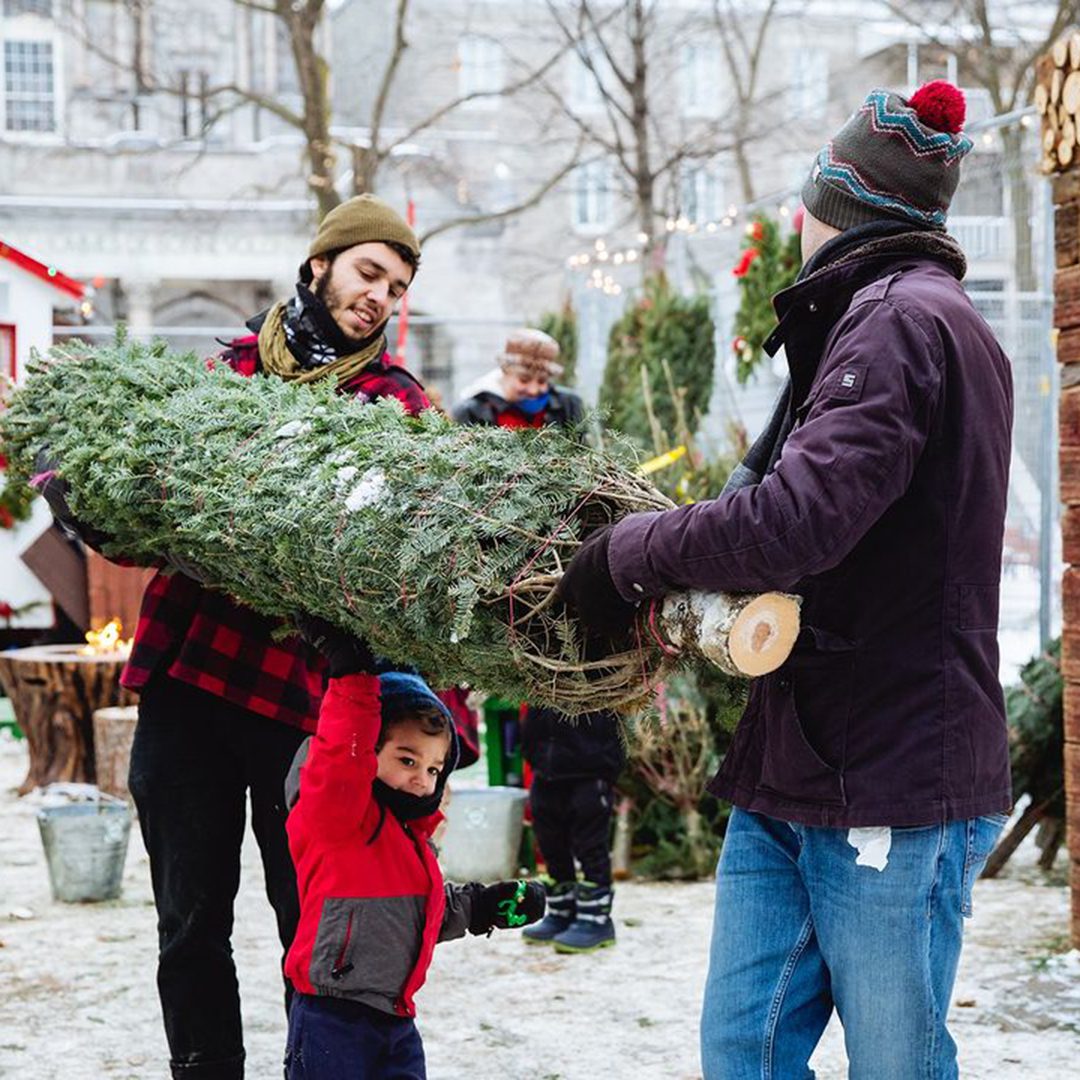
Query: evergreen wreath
{"points": [[768, 264]]}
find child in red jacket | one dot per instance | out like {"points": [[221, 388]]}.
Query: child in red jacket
{"points": [[372, 899]]}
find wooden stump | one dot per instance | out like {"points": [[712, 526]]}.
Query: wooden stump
{"points": [[114, 729], [55, 691]]}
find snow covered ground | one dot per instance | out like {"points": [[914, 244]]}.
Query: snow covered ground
{"points": [[78, 998]]}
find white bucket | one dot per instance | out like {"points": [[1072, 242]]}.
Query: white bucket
{"points": [[483, 833]]}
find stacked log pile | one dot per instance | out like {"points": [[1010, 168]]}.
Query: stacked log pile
{"points": [[1057, 96]]}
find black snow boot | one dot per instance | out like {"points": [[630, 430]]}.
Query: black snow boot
{"points": [[592, 927]]}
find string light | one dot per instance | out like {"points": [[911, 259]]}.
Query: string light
{"points": [[602, 252]]}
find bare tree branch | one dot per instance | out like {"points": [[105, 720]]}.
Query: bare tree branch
{"points": [[511, 211]]}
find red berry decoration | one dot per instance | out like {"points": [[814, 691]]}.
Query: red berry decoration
{"points": [[939, 105]]}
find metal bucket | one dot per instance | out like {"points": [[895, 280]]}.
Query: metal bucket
{"points": [[483, 833], [85, 847]]}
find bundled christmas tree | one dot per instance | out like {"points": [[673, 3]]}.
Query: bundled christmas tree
{"points": [[658, 326], [1034, 708], [440, 544]]}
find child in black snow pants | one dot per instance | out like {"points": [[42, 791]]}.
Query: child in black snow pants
{"points": [[373, 903], [575, 765]]}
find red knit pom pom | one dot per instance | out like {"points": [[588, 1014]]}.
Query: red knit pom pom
{"points": [[939, 105]]}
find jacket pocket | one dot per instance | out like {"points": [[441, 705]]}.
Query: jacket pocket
{"points": [[805, 711], [366, 945], [977, 606]]}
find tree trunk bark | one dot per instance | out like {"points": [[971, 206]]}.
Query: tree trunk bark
{"points": [[622, 844], [54, 692], [742, 635], [1049, 839]]}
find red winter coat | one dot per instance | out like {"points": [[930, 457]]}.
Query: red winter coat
{"points": [[372, 899]]}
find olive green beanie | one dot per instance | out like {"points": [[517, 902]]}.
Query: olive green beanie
{"points": [[363, 219]]}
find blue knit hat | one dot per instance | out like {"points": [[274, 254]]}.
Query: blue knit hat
{"points": [[400, 693]]}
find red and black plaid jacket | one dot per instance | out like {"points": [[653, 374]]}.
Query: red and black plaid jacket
{"points": [[203, 638]]}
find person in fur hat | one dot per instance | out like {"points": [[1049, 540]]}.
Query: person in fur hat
{"points": [[869, 774], [521, 392]]}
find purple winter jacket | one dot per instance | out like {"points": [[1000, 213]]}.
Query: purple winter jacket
{"points": [[885, 511]]}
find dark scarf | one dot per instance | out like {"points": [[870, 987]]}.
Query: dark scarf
{"points": [[877, 238], [313, 336]]}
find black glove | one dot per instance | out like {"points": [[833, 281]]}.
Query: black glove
{"points": [[345, 653], [506, 905], [54, 490], [589, 593]]}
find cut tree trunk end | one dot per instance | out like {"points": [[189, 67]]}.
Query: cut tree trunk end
{"points": [[55, 691], [743, 635]]}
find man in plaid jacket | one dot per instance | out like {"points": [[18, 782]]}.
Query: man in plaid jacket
{"points": [[224, 702]]}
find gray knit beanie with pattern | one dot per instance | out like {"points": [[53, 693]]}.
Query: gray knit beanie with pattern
{"points": [[893, 159]]}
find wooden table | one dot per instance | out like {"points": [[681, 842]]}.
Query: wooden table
{"points": [[55, 690]]}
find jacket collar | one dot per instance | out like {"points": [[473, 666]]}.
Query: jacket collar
{"points": [[856, 258]]}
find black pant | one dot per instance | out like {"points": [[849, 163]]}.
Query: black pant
{"points": [[572, 819], [194, 758]]}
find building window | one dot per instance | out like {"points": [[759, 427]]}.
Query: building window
{"points": [[480, 70], [700, 195], [592, 197], [29, 98], [980, 105], [28, 7], [699, 86], [590, 77], [809, 91]]}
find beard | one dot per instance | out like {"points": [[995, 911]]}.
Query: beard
{"points": [[331, 299]]}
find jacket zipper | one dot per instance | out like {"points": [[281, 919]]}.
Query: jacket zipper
{"points": [[340, 968]]}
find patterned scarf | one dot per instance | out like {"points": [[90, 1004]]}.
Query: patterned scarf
{"points": [[300, 341]]}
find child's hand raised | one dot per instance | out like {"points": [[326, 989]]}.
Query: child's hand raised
{"points": [[506, 905]]}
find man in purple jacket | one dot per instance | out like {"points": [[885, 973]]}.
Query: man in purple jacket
{"points": [[870, 773]]}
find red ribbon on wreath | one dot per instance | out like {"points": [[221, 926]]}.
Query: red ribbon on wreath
{"points": [[748, 256]]}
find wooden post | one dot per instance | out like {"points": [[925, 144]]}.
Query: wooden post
{"points": [[1057, 95]]}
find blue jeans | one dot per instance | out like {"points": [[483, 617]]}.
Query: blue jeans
{"points": [[801, 928]]}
